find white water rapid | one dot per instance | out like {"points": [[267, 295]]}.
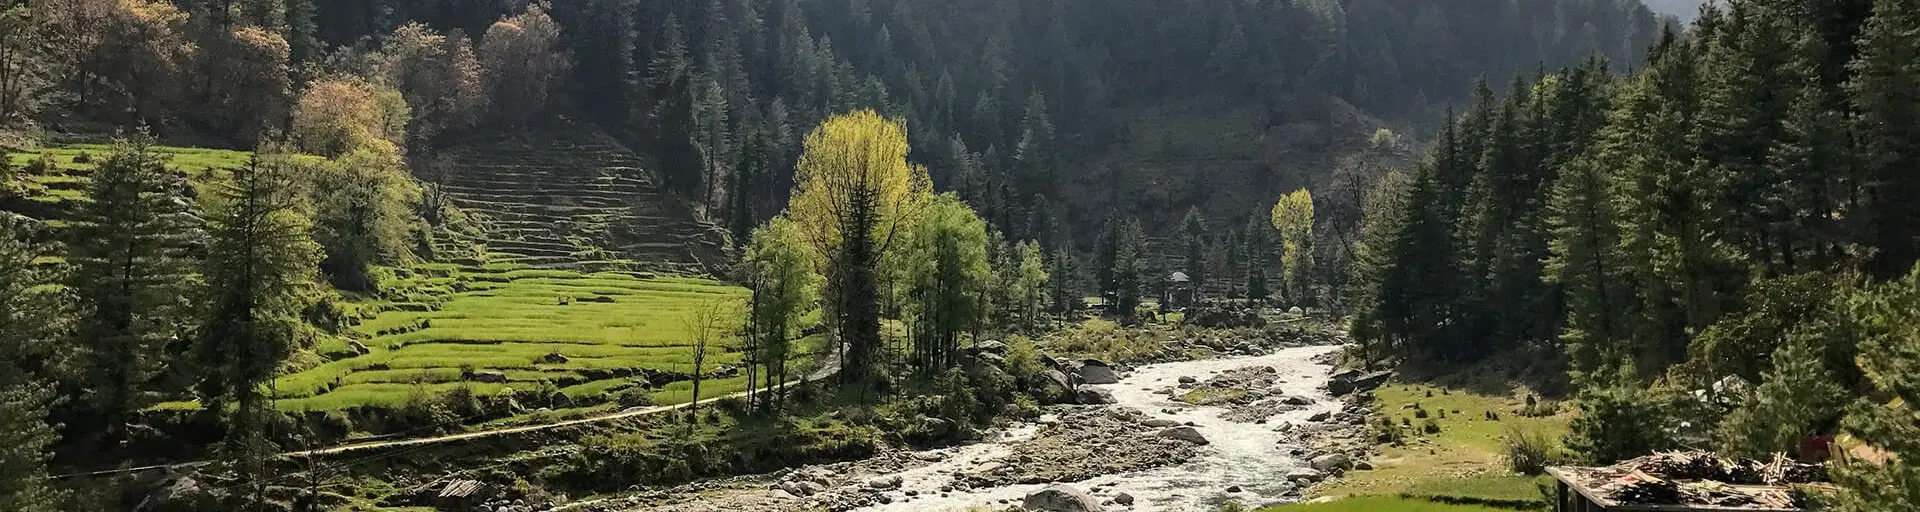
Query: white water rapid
{"points": [[1251, 456]]}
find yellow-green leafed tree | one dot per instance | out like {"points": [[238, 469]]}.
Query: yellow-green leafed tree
{"points": [[855, 197], [338, 116], [1293, 217]]}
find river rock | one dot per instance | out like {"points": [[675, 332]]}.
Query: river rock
{"points": [[884, 483], [1097, 373], [1320, 416], [1160, 423], [1331, 462], [1188, 380], [1061, 498], [1187, 434], [1093, 397], [1296, 400], [1123, 499], [1308, 474]]}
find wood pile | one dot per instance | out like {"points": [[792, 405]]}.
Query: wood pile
{"points": [[1694, 477]]}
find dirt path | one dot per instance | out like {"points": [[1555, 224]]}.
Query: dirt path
{"points": [[830, 367]]}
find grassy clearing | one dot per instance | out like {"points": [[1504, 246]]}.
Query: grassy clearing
{"points": [[1461, 462], [1382, 504], [588, 335]]}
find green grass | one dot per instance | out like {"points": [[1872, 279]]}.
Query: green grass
{"points": [[1461, 462], [1213, 396], [1381, 504], [512, 319], [1490, 488]]}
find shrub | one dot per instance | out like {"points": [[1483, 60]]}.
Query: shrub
{"points": [[1419, 413], [1528, 451], [635, 397], [1430, 426], [1023, 358], [1620, 423]]}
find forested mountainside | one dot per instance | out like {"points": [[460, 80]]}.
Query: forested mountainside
{"points": [[1003, 96], [1686, 10], [1739, 210]]}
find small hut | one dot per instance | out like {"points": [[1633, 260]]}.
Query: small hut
{"points": [[1686, 481], [1178, 291]]}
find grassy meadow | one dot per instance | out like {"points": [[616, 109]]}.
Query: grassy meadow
{"points": [[587, 335], [1462, 463], [1382, 504]]}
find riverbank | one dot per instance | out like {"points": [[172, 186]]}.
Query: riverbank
{"points": [[1148, 449]]}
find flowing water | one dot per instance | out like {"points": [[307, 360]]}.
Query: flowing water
{"points": [[1251, 456]]}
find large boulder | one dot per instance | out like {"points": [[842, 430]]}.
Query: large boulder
{"points": [[1053, 383], [992, 347], [1188, 434], [1061, 498], [1095, 371], [1331, 463], [489, 376], [1090, 396], [1350, 382]]}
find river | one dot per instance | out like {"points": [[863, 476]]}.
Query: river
{"points": [[1248, 455]]}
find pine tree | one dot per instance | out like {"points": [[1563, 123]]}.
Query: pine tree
{"points": [[1888, 320], [32, 319], [1193, 231], [1258, 253], [1586, 264], [1886, 127], [1792, 401], [260, 262], [129, 251]]}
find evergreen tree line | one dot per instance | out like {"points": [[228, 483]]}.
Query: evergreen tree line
{"points": [[1004, 93], [1740, 209]]}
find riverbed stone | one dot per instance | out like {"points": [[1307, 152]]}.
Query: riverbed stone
{"points": [[1332, 462], [1095, 371], [1160, 423], [1061, 498], [1183, 433], [1093, 397], [1123, 499], [885, 482]]}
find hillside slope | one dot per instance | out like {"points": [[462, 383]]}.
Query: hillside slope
{"points": [[567, 196]]}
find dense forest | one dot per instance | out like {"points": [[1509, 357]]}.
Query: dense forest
{"points": [[1622, 207], [1002, 97], [1739, 210]]}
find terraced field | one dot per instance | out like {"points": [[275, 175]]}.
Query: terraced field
{"points": [[50, 194], [573, 198], [512, 326], [563, 290]]}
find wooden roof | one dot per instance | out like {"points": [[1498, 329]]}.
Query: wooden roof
{"points": [[1575, 478]]}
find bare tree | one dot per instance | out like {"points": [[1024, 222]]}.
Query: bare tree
{"points": [[705, 325]]}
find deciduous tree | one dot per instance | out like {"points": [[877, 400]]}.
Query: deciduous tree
{"points": [[856, 195]]}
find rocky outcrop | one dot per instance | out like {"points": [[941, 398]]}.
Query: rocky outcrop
{"points": [[1061, 498], [1354, 381]]}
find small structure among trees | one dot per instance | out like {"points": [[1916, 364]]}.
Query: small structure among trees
{"points": [[1687, 481], [1179, 291]]}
